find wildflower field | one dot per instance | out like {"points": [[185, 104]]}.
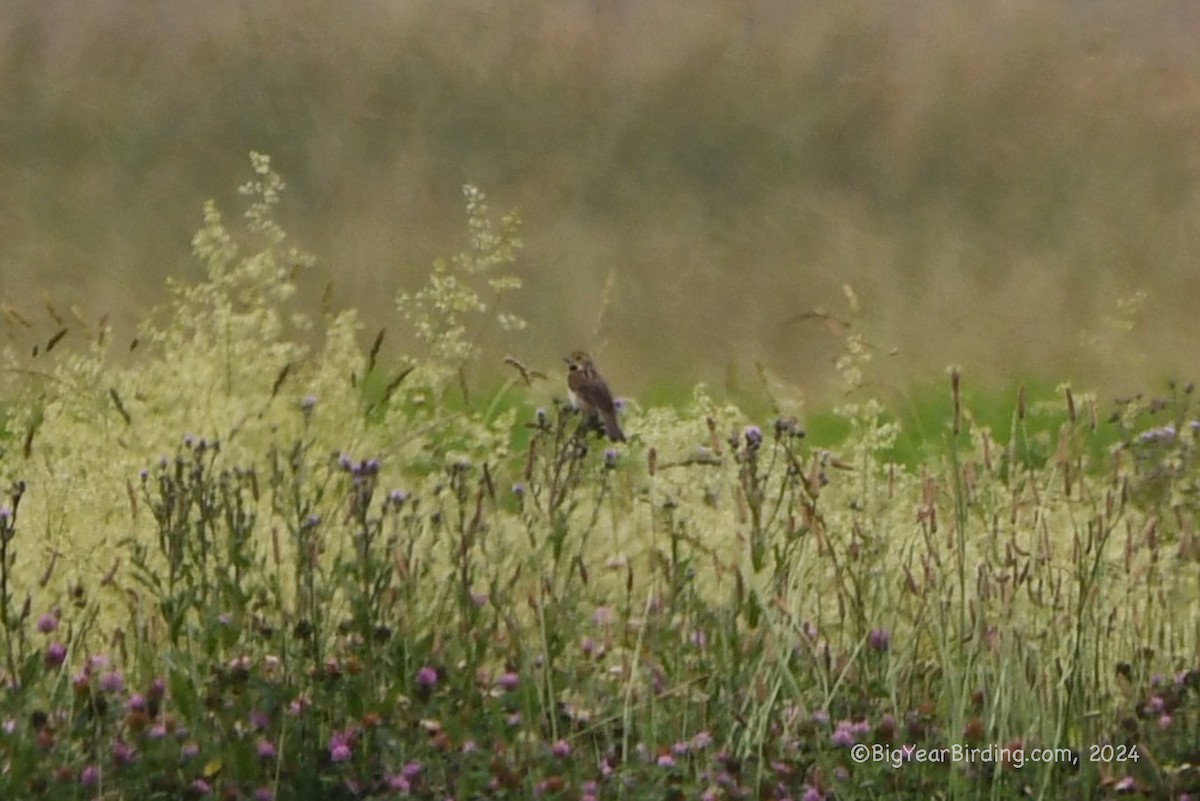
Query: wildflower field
{"points": [[256, 559]]}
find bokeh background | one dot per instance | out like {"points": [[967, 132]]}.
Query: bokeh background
{"points": [[996, 180]]}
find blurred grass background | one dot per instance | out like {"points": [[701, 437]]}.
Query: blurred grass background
{"points": [[992, 179]]}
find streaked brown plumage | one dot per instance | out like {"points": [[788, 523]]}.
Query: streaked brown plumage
{"points": [[591, 394]]}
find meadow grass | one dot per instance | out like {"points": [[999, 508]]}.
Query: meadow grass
{"points": [[240, 565]]}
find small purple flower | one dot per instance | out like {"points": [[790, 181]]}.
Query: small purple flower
{"points": [[259, 719], [136, 703], [812, 794], [588, 646], [223, 619], [308, 403], [47, 623], [680, 748], [339, 749], [508, 681], [265, 749], [201, 787], [411, 770], [518, 489], [701, 740], [112, 682], [122, 752], [264, 794], [1125, 785], [879, 640], [1164, 721], [157, 732], [540, 417], [397, 782], [665, 761], [427, 677], [561, 749], [820, 717], [89, 776], [753, 435], [603, 615], [610, 459], [56, 654], [189, 750], [843, 735], [397, 498]]}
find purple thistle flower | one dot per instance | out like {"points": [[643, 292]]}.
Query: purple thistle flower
{"points": [[189, 750], [47, 623], [753, 435], [610, 459], [518, 489], [843, 735], [701, 740], [122, 752], [308, 403], [508, 681], [879, 640], [264, 794], [665, 761], [561, 749], [89, 776], [56, 654], [411, 770], [427, 677], [339, 749], [265, 749], [112, 682], [397, 782], [136, 703], [201, 787]]}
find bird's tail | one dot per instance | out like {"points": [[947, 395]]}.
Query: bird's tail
{"points": [[612, 429]]}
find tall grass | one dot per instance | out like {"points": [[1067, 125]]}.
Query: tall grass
{"points": [[240, 565]]}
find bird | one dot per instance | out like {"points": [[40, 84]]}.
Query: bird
{"points": [[590, 393]]}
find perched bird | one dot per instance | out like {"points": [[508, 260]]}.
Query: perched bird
{"points": [[591, 394]]}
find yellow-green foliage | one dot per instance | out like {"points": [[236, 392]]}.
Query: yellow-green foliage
{"points": [[986, 565]]}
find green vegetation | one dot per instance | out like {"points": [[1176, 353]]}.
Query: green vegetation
{"points": [[242, 565]]}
